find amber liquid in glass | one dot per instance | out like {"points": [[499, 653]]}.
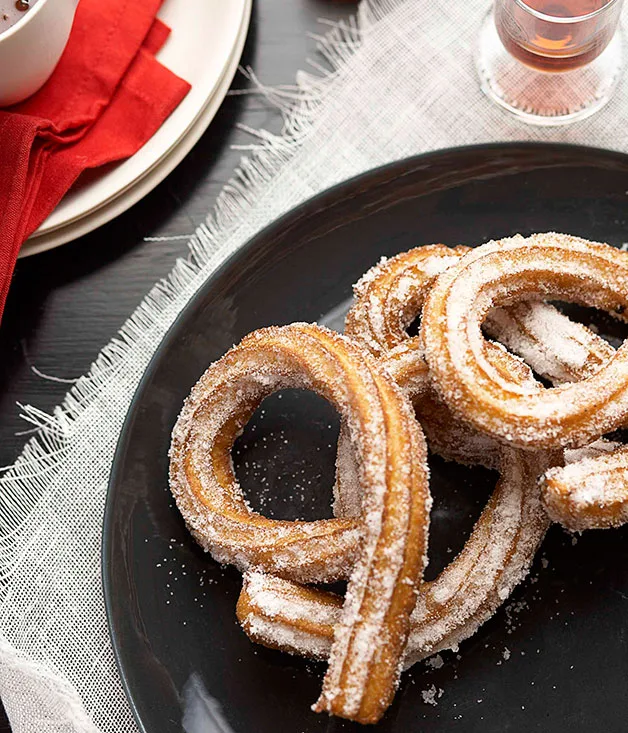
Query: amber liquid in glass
{"points": [[548, 46]]}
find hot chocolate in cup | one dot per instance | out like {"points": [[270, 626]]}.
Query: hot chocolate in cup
{"points": [[31, 43], [13, 10]]}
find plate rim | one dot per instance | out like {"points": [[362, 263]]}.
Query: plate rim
{"points": [[315, 202]]}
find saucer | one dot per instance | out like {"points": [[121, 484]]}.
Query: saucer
{"points": [[215, 32]]}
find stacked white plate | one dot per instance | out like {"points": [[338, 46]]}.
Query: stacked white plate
{"points": [[204, 48]]}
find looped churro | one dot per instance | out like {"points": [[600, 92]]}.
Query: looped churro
{"points": [[499, 273], [382, 552]]}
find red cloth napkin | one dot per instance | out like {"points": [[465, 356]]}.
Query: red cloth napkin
{"points": [[106, 98]]}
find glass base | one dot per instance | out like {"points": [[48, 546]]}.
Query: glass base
{"points": [[546, 98]]}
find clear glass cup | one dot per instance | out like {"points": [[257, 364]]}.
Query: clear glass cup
{"points": [[551, 61]]}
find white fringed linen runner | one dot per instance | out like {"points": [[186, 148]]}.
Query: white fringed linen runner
{"points": [[401, 81]]}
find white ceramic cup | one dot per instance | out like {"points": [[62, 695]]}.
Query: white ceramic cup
{"points": [[30, 49]]}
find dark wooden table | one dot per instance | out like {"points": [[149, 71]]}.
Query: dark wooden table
{"points": [[66, 304]]}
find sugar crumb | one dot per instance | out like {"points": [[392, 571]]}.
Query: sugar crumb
{"points": [[435, 662], [432, 695]]}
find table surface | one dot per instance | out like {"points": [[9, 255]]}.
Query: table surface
{"points": [[66, 304]]}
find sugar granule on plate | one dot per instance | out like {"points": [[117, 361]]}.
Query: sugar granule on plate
{"points": [[435, 662], [432, 695]]}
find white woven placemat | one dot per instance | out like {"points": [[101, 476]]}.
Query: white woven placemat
{"points": [[402, 81]]}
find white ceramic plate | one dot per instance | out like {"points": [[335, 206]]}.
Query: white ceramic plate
{"points": [[205, 48]]}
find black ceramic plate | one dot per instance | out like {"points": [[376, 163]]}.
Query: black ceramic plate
{"points": [[555, 658]]}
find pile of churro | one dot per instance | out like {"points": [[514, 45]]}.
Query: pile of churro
{"points": [[497, 376]]}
